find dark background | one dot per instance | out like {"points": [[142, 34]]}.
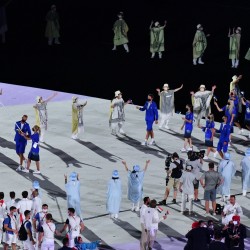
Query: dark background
{"points": [[84, 63]]}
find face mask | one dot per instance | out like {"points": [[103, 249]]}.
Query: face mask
{"points": [[45, 210], [204, 226], [235, 222]]}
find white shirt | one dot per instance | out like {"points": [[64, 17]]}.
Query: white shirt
{"points": [[49, 231], [151, 219], [36, 205], [142, 212], [233, 209], [9, 204], [24, 204], [74, 224]]}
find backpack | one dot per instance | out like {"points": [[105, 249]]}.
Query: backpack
{"points": [[9, 224], [219, 209], [177, 172], [22, 233]]}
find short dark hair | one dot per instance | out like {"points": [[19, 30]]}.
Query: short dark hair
{"points": [[25, 194], [1, 195], [26, 212], [151, 95], [25, 116], [210, 165], [145, 199], [232, 196], [175, 155], [65, 241], [217, 235], [12, 194], [153, 203], [71, 209], [45, 205], [49, 216], [12, 208]]}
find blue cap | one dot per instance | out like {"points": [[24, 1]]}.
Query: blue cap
{"points": [[115, 174], [36, 185], [136, 168], [227, 156], [73, 176], [247, 153]]}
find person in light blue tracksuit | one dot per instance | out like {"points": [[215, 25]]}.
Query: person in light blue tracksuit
{"points": [[135, 184], [227, 170], [151, 116], [245, 165], [114, 195]]}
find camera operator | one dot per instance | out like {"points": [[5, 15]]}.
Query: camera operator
{"points": [[174, 167], [195, 159]]}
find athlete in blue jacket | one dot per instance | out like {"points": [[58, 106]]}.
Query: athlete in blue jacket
{"points": [[21, 127], [151, 116]]}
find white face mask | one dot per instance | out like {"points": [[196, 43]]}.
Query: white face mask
{"points": [[235, 222], [45, 210]]}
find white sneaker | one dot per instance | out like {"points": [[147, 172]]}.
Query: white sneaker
{"points": [[241, 131], [122, 132], [205, 158], [200, 61], [215, 154], [206, 214], [36, 172], [144, 143], [166, 127], [137, 209], [183, 150], [152, 142], [116, 216], [244, 193], [190, 149], [25, 170], [74, 137], [19, 168], [229, 144]]}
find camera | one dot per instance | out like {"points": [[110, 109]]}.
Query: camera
{"points": [[195, 155], [215, 98], [242, 93], [168, 162]]}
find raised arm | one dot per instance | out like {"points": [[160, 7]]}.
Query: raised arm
{"points": [[178, 88], [213, 88], [158, 91], [218, 108], [125, 165], [165, 23], [146, 165], [229, 32], [150, 27], [51, 97]]}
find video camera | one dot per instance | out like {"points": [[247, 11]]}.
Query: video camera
{"points": [[195, 155], [168, 162]]}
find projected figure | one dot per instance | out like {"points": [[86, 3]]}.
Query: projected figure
{"points": [[120, 29], [117, 115], [157, 38], [234, 46], [3, 23], [77, 117], [247, 56], [41, 114], [166, 104], [199, 45], [201, 102], [53, 26], [72, 188]]}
